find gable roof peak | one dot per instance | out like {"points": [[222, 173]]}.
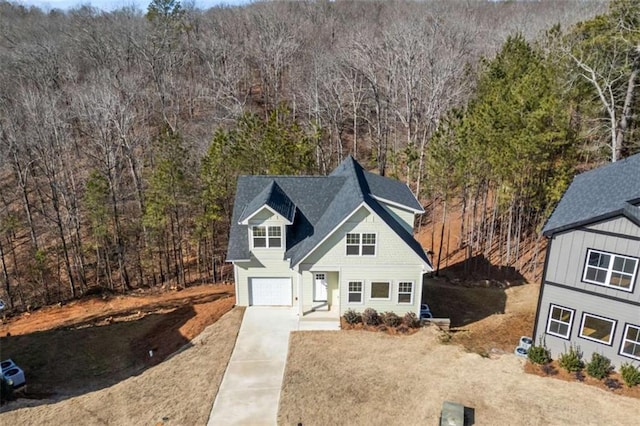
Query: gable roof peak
{"points": [[275, 198]]}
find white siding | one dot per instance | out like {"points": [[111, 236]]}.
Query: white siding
{"points": [[265, 262], [394, 261], [405, 217], [390, 249]]}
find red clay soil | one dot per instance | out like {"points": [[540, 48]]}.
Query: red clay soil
{"points": [[112, 336], [106, 309]]}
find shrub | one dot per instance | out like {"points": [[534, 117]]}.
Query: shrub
{"points": [[410, 319], [539, 354], [599, 366], [352, 317], [370, 317], [390, 319], [630, 374], [571, 360]]}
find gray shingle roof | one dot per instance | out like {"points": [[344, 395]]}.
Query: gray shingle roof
{"points": [[602, 193], [274, 197], [321, 203], [392, 190]]}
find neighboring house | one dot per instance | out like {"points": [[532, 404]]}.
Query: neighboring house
{"points": [[327, 242], [590, 295]]}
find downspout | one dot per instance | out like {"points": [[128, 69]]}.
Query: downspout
{"points": [[235, 283], [299, 278]]}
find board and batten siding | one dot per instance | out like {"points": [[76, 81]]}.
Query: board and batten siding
{"points": [[619, 225], [622, 313], [568, 255]]}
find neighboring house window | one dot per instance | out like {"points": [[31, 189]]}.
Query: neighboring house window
{"points": [[381, 290], [611, 270], [597, 328], [267, 236], [560, 320], [631, 342], [355, 292], [361, 244], [405, 292]]}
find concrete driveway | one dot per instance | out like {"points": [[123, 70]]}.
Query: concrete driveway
{"points": [[250, 390]]}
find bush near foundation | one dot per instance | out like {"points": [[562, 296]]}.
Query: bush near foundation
{"points": [[599, 367], [539, 354], [571, 360], [630, 374], [370, 317], [352, 317]]}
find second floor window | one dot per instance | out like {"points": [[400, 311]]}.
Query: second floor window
{"points": [[361, 244], [611, 270], [267, 236]]}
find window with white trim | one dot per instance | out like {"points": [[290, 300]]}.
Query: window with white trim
{"points": [[380, 290], [597, 328], [610, 270], [405, 292], [631, 342], [559, 322], [266, 236], [361, 244], [355, 292]]}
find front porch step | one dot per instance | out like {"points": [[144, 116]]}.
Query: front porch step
{"points": [[318, 324], [318, 318]]}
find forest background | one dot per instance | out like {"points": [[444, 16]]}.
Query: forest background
{"points": [[122, 133]]}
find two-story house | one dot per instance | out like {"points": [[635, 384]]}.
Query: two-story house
{"points": [[590, 295], [327, 242]]}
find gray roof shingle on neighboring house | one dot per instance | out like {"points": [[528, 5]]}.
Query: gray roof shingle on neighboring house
{"points": [[321, 203], [602, 193]]}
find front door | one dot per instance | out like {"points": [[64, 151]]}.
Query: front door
{"points": [[320, 288]]}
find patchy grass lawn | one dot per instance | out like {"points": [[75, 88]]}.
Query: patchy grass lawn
{"points": [[178, 391], [360, 377]]}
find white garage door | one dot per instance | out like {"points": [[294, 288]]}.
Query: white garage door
{"points": [[270, 291]]}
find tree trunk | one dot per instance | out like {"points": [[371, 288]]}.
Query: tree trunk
{"points": [[5, 277], [626, 111]]}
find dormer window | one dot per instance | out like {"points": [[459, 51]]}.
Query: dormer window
{"points": [[266, 236]]}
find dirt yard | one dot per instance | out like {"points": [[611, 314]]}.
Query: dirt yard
{"points": [[93, 344], [179, 391], [106, 376]]}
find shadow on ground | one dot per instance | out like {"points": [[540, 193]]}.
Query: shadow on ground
{"points": [[99, 352], [480, 268], [469, 291]]}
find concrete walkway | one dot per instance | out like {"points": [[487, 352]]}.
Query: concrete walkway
{"points": [[250, 389]]}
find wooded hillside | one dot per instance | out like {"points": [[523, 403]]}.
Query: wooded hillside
{"points": [[122, 133]]}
